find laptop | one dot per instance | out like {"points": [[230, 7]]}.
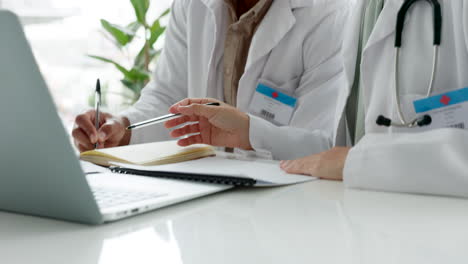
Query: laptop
{"points": [[40, 172]]}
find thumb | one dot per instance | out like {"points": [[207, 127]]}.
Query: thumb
{"points": [[106, 131], [174, 109]]}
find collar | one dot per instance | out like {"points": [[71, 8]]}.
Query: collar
{"points": [[292, 3], [385, 23]]}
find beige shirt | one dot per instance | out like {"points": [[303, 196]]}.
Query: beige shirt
{"points": [[238, 39]]}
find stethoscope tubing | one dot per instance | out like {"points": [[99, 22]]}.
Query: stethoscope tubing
{"points": [[437, 17]]}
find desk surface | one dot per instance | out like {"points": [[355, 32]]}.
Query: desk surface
{"points": [[316, 222]]}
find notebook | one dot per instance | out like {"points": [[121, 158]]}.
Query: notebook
{"points": [[149, 154], [219, 170]]}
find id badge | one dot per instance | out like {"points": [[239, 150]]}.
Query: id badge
{"points": [[272, 105], [447, 110]]}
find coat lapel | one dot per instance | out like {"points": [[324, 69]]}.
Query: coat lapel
{"points": [[211, 4], [386, 23], [275, 25], [215, 10]]}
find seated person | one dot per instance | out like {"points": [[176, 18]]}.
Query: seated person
{"points": [[278, 59], [393, 158]]}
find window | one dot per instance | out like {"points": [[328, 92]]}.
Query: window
{"points": [[62, 33]]}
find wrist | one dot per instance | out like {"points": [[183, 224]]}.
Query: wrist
{"points": [[245, 140]]}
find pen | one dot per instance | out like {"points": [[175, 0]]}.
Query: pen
{"points": [[159, 119], [97, 105]]}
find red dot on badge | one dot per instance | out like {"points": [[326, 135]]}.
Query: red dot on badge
{"points": [[445, 100], [275, 95]]}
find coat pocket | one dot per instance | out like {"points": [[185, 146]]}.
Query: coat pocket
{"points": [[288, 87]]}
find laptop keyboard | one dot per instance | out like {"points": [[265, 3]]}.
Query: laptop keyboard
{"points": [[109, 198]]}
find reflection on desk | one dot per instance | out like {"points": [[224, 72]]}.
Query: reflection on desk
{"points": [[316, 222]]}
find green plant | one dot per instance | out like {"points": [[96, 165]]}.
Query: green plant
{"points": [[138, 75]]}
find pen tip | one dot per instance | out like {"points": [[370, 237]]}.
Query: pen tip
{"points": [[98, 86]]}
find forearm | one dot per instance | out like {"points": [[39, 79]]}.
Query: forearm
{"points": [[286, 142]]}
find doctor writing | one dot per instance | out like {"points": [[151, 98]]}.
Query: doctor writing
{"points": [[274, 65]]}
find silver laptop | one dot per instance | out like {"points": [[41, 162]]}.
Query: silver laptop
{"points": [[40, 173]]}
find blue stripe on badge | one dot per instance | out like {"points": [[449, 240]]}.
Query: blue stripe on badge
{"points": [[441, 100], [278, 96]]}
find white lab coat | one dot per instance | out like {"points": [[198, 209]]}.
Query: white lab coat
{"points": [[401, 160], [296, 47]]}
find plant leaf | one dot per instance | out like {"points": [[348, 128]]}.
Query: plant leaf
{"points": [[140, 58], [129, 84], [118, 66], [122, 35], [134, 87], [133, 28], [165, 13], [136, 75], [141, 8], [156, 31]]}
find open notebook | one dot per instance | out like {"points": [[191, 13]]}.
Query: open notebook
{"points": [[195, 163], [149, 154]]}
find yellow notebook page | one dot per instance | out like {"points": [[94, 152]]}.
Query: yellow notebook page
{"points": [[148, 154]]}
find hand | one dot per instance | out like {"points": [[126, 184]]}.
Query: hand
{"points": [[112, 131], [222, 125], [326, 165]]}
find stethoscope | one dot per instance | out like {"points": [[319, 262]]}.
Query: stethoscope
{"points": [[426, 119]]}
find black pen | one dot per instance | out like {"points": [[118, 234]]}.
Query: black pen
{"points": [[159, 119], [97, 106]]}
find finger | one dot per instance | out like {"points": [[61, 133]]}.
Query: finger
{"points": [[205, 126], [81, 138], [186, 130], [284, 164], [84, 122], [103, 118], [195, 139], [174, 109], [82, 148], [205, 111], [107, 131], [180, 120], [111, 142], [294, 167]]}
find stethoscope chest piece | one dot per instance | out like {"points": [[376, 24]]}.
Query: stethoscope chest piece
{"points": [[425, 120]]}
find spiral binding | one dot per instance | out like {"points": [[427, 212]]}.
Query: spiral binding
{"points": [[226, 180]]}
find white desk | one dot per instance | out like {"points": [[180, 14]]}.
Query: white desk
{"points": [[317, 222]]}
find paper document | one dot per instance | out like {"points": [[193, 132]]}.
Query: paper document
{"points": [[265, 173], [90, 168]]}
